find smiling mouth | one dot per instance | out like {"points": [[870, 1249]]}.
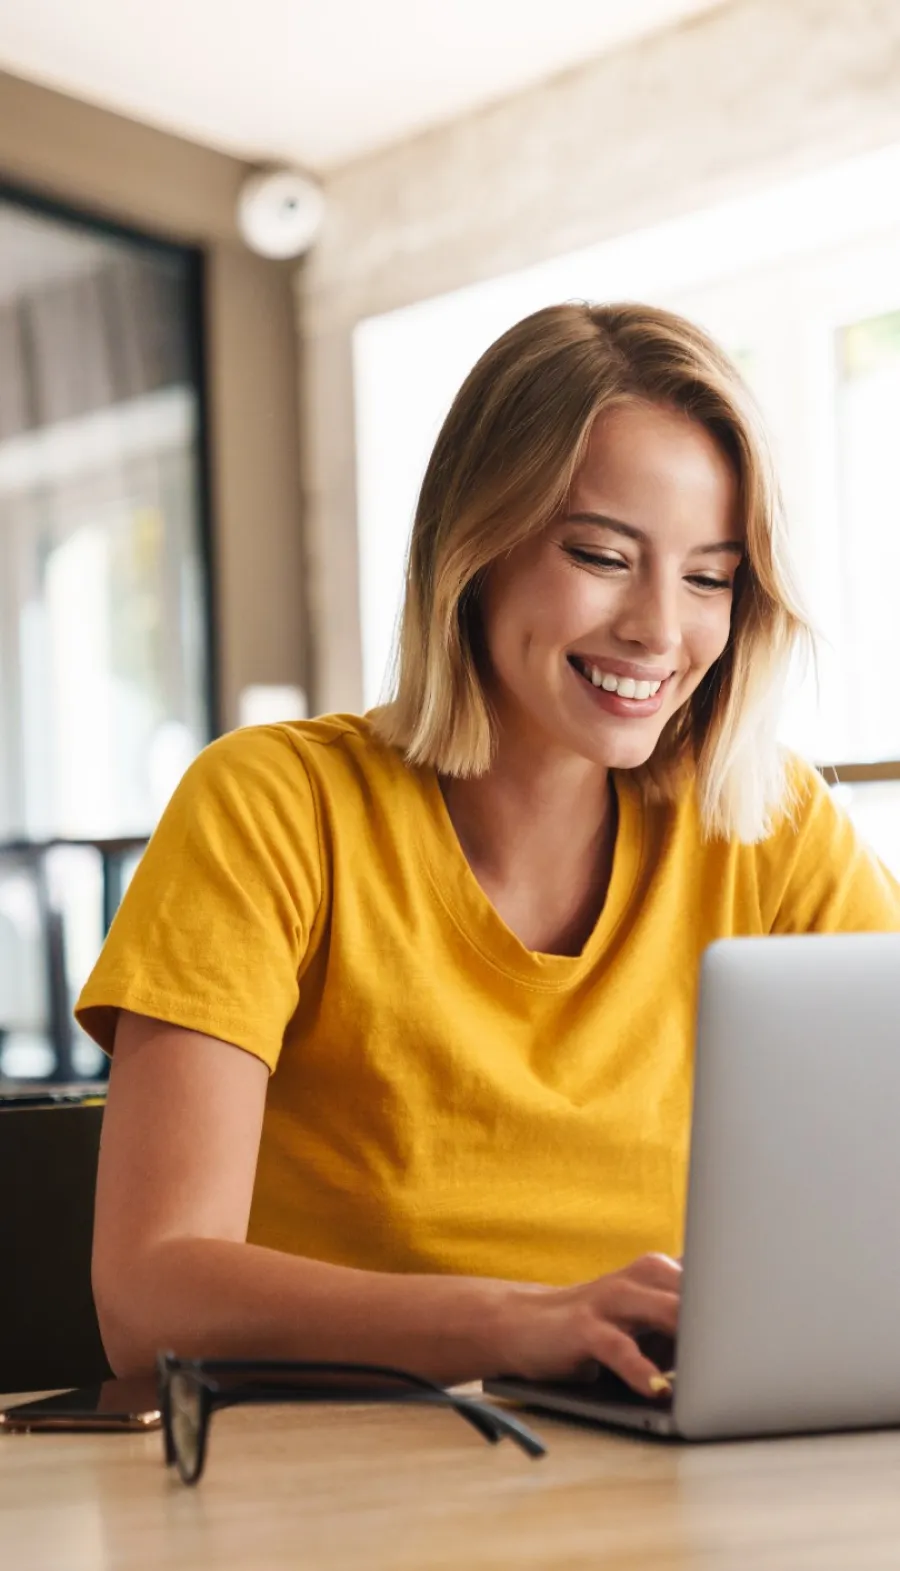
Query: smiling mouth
{"points": [[641, 693]]}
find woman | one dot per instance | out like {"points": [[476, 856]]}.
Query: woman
{"points": [[465, 929]]}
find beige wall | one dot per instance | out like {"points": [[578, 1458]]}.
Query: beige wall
{"points": [[114, 168], [733, 100]]}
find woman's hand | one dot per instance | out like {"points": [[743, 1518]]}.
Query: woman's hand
{"points": [[552, 1333]]}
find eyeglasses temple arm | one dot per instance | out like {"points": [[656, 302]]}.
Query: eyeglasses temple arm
{"points": [[496, 1426], [491, 1424]]}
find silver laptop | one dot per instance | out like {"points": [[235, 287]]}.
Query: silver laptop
{"points": [[790, 1314]]}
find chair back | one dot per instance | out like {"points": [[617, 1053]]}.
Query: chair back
{"points": [[49, 1336]]}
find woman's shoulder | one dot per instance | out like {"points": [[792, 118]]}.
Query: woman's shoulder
{"points": [[803, 792], [326, 743], [326, 765], [808, 872], [806, 802], [802, 816]]}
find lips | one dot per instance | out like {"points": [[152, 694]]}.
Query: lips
{"points": [[637, 700], [639, 687], [587, 664]]}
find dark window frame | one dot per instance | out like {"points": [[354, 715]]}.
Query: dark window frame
{"points": [[33, 853], [195, 258]]}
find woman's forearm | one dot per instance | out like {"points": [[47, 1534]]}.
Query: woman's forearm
{"points": [[203, 1297]]}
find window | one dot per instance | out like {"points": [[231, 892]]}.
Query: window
{"points": [[867, 418], [802, 284], [104, 624]]}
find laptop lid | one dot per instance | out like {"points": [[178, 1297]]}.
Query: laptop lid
{"points": [[791, 1300], [791, 1295]]}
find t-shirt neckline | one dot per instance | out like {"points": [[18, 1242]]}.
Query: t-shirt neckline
{"points": [[479, 921]]}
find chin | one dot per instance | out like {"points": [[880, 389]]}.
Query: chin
{"points": [[616, 752], [626, 757]]}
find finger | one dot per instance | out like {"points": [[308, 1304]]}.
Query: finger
{"points": [[630, 1304], [620, 1353], [657, 1271]]}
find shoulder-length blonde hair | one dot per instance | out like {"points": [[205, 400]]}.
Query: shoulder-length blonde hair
{"points": [[501, 470]]}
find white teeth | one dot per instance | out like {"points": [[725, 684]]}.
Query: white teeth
{"points": [[625, 686]]}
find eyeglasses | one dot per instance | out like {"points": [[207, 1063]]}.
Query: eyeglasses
{"points": [[191, 1389]]}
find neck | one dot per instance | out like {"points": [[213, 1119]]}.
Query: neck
{"points": [[532, 812]]}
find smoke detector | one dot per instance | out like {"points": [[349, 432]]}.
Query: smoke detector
{"points": [[280, 212]]}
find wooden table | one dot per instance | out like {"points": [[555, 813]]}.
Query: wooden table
{"points": [[393, 1489]]}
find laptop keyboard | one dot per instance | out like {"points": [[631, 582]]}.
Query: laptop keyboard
{"points": [[607, 1387]]}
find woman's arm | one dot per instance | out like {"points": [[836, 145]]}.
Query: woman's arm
{"points": [[172, 1268]]}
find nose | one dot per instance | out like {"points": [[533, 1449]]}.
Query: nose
{"points": [[649, 614]]}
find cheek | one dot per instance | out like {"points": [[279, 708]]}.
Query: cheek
{"points": [[573, 605], [709, 635], [548, 608]]}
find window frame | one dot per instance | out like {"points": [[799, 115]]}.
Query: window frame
{"points": [[194, 258], [31, 852]]}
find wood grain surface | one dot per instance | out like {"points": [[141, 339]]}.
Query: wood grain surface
{"points": [[397, 1489]]}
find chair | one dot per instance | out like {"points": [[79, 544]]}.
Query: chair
{"points": [[49, 1336]]}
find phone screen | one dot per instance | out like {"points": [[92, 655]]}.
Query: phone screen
{"points": [[116, 1404]]}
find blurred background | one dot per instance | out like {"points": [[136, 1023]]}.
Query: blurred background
{"points": [[209, 453]]}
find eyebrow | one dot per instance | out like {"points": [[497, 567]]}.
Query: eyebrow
{"points": [[631, 532]]}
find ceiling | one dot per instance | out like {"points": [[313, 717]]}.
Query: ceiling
{"points": [[313, 82]]}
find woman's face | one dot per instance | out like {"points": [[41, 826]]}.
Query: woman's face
{"points": [[598, 630]]}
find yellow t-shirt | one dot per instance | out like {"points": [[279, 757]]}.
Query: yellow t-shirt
{"points": [[443, 1099]]}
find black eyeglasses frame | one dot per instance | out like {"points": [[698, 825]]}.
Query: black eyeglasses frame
{"points": [[256, 1381]]}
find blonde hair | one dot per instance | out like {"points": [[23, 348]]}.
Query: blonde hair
{"points": [[501, 470]]}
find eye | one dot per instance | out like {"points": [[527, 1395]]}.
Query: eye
{"points": [[593, 559], [709, 585]]}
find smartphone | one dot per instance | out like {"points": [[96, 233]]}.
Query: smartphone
{"points": [[115, 1405]]}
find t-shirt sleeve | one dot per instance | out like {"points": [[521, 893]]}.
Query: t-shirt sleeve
{"points": [[816, 875], [214, 927]]}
